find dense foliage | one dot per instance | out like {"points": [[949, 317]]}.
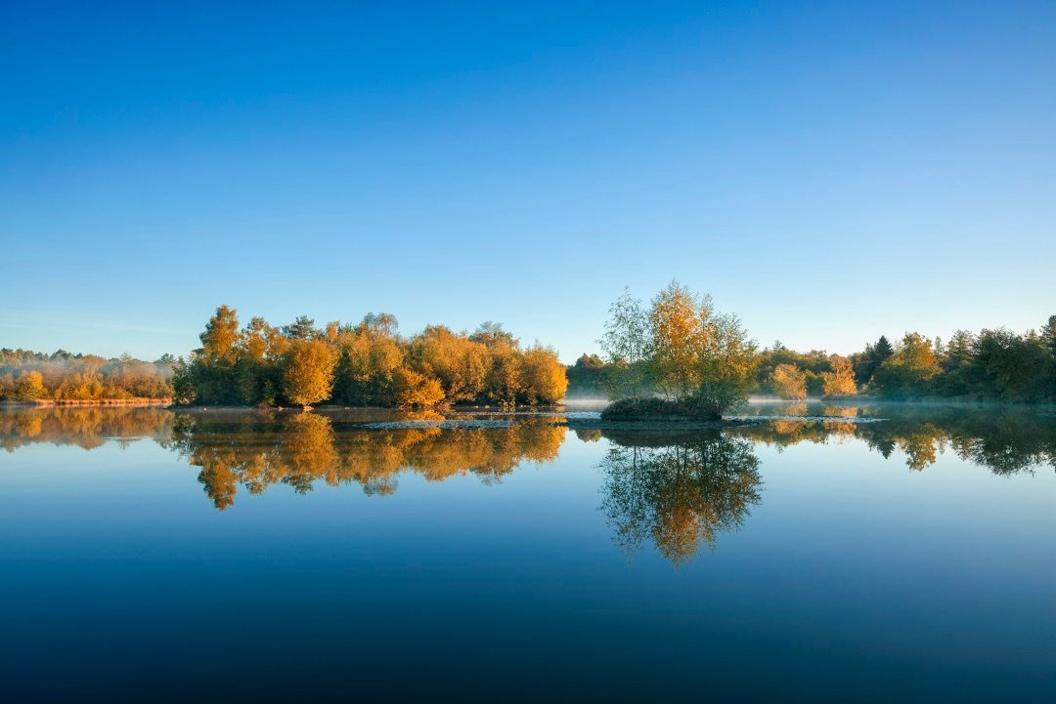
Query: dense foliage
{"points": [[995, 365], [665, 351], [680, 348], [62, 376], [367, 364]]}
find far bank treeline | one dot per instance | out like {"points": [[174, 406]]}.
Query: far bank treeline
{"points": [[680, 347], [364, 364], [674, 355]]}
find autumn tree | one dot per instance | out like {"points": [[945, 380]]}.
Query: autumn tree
{"points": [[30, 386], [370, 355], [789, 381], [414, 390], [504, 381], [839, 381], [679, 325], [909, 370], [459, 363], [221, 337], [696, 357], [308, 376], [545, 380]]}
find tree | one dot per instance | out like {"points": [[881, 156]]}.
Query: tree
{"points": [[789, 381], [457, 362], [626, 342], [308, 376], [303, 328], [416, 390], [865, 364], [544, 376], [370, 356], [909, 370], [491, 335], [839, 381], [699, 360], [1048, 335], [1009, 366], [727, 367], [30, 386], [678, 496], [679, 326], [220, 337]]}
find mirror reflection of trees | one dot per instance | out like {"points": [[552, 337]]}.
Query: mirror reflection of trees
{"points": [[85, 426], [301, 450], [249, 451], [1006, 440], [679, 493]]}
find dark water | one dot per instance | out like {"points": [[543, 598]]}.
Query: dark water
{"points": [[154, 554]]}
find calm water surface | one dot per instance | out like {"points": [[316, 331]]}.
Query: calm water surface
{"points": [[817, 556]]}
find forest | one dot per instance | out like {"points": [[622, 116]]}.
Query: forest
{"points": [[677, 347], [680, 348], [363, 364], [77, 378]]}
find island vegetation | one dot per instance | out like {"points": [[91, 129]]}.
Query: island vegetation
{"points": [[676, 359], [363, 364]]}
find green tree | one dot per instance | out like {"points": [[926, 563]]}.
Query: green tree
{"points": [[866, 363], [303, 328], [626, 342], [727, 362]]}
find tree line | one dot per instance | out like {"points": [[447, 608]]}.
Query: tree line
{"points": [[363, 364], [63, 376], [678, 348]]}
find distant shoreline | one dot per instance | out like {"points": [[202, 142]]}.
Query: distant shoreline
{"points": [[51, 402]]}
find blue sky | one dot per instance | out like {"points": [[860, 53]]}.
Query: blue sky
{"points": [[828, 171]]}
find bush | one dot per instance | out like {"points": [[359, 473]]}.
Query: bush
{"points": [[630, 409]]}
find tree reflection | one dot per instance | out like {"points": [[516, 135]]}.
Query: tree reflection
{"points": [[302, 449], [85, 426], [250, 451], [1006, 440], [679, 495]]}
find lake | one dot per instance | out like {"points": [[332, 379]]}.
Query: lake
{"points": [[826, 553]]}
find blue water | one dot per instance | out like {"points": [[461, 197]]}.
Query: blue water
{"points": [[850, 576]]}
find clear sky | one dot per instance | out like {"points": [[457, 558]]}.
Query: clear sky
{"points": [[828, 171]]}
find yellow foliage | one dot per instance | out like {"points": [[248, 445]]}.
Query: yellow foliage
{"points": [[309, 374]]}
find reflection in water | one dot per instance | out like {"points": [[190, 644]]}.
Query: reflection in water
{"points": [[304, 448], [679, 495], [1005, 440], [253, 450], [85, 426]]}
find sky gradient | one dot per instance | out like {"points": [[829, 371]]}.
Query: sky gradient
{"points": [[827, 171]]}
